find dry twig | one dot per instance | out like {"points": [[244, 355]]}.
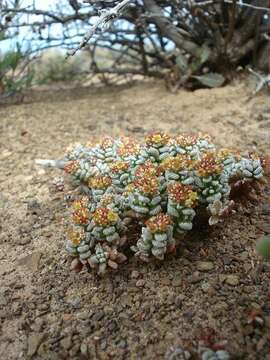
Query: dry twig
{"points": [[106, 17], [263, 80]]}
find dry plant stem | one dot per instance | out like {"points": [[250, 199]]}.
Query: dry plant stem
{"points": [[102, 21], [59, 164], [146, 29], [239, 3], [263, 80]]}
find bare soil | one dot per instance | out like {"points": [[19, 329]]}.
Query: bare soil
{"points": [[141, 311]]}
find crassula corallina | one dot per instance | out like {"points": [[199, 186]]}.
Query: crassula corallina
{"points": [[160, 184]]}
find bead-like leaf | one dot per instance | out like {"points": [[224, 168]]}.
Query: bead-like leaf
{"points": [[263, 247]]}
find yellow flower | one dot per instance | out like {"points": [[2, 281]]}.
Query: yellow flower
{"points": [[72, 166], [119, 166], [159, 223], [145, 170], [204, 136], [185, 140], [81, 216], [75, 236], [105, 217], [106, 142], [112, 216], [81, 203], [158, 138], [100, 182], [177, 163], [223, 154], [129, 189], [193, 197], [182, 194], [128, 147], [106, 200], [147, 185], [208, 165]]}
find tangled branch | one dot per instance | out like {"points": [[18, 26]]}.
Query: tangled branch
{"points": [[103, 22], [263, 80], [178, 40]]}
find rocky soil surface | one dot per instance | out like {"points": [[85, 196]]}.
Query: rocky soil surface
{"points": [[215, 292]]}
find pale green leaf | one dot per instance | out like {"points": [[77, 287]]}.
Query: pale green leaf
{"points": [[263, 247], [181, 62], [212, 80]]}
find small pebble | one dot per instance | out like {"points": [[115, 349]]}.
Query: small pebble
{"points": [[122, 344], [205, 266], [244, 255], [34, 340], [83, 349], [134, 274], [99, 315], [232, 280], [195, 278], [66, 343], [140, 283], [177, 281], [205, 287]]}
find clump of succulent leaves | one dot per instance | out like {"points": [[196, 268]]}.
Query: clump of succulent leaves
{"points": [[263, 247], [161, 184]]}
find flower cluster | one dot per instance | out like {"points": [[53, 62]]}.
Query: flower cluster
{"points": [[104, 217], [100, 182], [72, 166], [157, 139], [176, 163], [159, 223], [182, 194], [147, 185], [161, 185], [186, 140], [119, 167], [127, 148], [208, 165]]}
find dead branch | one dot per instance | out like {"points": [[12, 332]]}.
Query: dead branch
{"points": [[263, 80], [106, 17], [152, 34]]}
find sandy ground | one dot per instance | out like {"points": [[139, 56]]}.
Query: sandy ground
{"points": [[141, 311]]}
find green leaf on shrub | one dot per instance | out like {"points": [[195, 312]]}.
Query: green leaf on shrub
{"points": [[181, 62], [10, 60], [263, 247], [212, 80], [2, 36], [204, 54], [14, 77]]}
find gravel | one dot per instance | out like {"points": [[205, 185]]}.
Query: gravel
{"points": [[205, 266], [141, 311]]}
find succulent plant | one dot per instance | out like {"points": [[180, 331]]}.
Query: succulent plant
{"points": [[177, 353], [263, 247], [209, 354], [156, 239], [160, 185]]}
